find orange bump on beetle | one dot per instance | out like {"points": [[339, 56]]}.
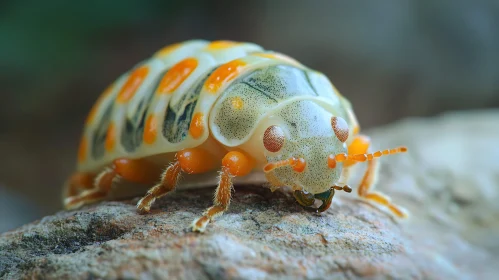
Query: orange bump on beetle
{"points": [[231, 107]]}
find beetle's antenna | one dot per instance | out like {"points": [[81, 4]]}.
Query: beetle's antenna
{"points": [[333, 159], [273, 165], [298, 164]]}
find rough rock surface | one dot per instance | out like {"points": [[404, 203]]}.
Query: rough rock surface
{"points": [[449, 182]]}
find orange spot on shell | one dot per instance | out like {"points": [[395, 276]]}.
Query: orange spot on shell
{"points": [[197, 125], [168, 49], [102, 97], [110, 137], [177, 75], [82, 150], [151, 129], [237, 103], [277, 56], [223, 74], [222, 44], [132, 84]]}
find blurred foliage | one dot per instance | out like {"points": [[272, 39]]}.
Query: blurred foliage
{"points": [[41, 40]]}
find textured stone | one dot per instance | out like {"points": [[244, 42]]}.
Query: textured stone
{"points": [[449, 181]]}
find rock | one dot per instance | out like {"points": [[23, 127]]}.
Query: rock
{"points": [[448, 181]]}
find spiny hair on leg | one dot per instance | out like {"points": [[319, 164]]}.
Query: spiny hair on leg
{"points": [[180, 176], [222, 173]]}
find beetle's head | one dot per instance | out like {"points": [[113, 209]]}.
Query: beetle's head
{"points": [[298, 140], [305, 147]]}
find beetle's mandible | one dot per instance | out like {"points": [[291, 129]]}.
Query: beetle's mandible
{"points": [[200, 107]]}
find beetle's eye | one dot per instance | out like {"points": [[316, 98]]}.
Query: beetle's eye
{"points": [[273, 138], [340, 128]]}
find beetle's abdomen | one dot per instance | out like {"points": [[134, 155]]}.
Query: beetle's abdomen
{"points": [[150, 109]]}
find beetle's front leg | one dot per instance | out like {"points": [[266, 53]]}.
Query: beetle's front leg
{"points": [[191, 161], [168, 182], [365, 191], [304, 199], [327, 196], [360, 145], [78, 182], [233, 164]]}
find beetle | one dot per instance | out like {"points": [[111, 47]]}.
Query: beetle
{"points": [[230, 107]]}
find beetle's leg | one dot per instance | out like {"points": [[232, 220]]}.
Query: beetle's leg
{"points": [[191, 161], [273, 181], [168, 182], [369, 179], [133, 170], [327, 196], [345, 175], [360, 145], [139, 171], [304, 199], [221, 201], [385, 201], [102, 185], [368, 182], [233, 164], [77, 182]]}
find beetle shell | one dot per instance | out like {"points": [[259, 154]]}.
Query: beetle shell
{"points": [[194, 90]]}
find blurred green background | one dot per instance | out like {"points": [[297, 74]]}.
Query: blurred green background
{"points": [[393, 59]]}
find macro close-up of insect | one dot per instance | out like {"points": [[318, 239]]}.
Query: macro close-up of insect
{"points": [[249, 140], [225, 106]]}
